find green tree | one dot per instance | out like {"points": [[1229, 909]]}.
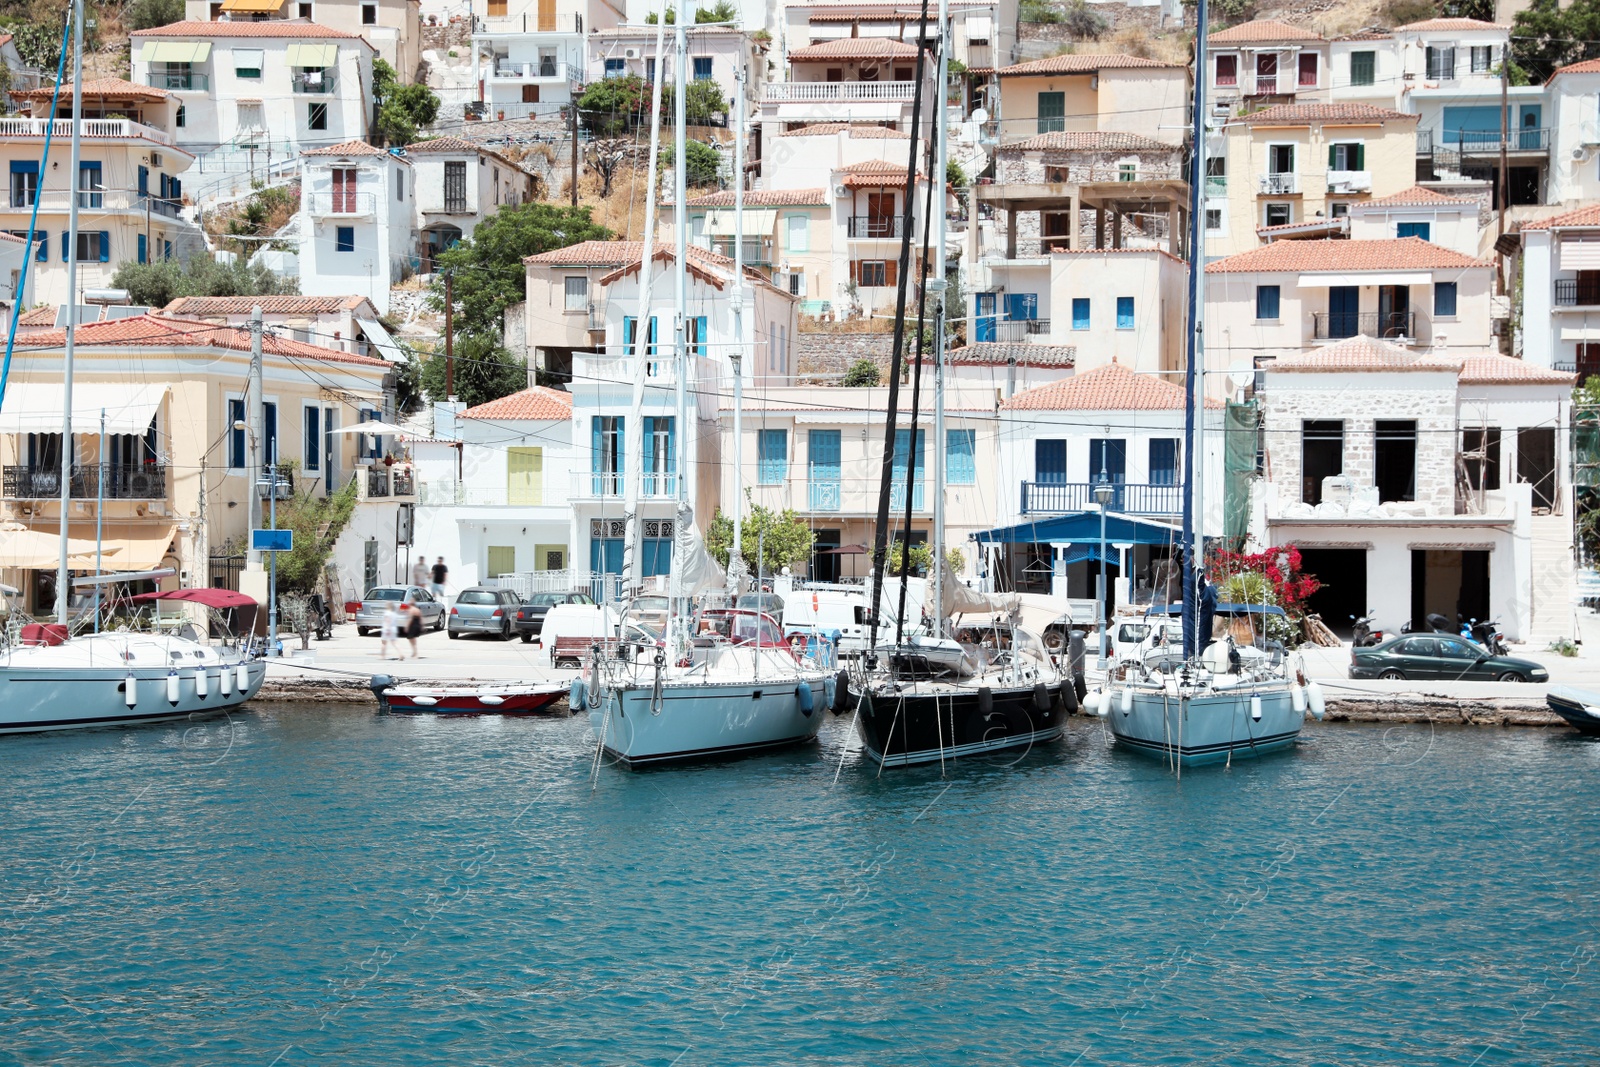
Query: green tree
{"points": [[148, 14], [703, 101], [317, 522], [484, 371], [158, 284], [701, 162], [487, 267], [724, 11], [611, 105], [863, 372], [955, 174], [780, 538], [1546, 36], [1085, 23], [403, 110]]}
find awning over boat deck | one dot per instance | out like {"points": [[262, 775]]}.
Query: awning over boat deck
{"points": [[35, 407], [126, 547], [1082, 530]]}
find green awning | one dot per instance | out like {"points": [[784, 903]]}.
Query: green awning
{"points": [[176, 51], [313, 55]]}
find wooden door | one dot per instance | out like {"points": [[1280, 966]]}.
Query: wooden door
{"points": [[525, 476]]}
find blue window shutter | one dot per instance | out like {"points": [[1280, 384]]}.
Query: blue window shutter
{"points": [[1109, 454], [650, 342], [43, 237], [24, 166], [594, 444], [627, 333], [1412, 229], [313, 439], [1266, 301], [66, 250], [773, 446], [700, 335], [1444, 298], [235, 437], [1080, 313], [1124, 312], [144, 181], [672, 444], [1050, 461], [1163, 461], [270, 454], [960, 468], [105, 246], [144, 249]]}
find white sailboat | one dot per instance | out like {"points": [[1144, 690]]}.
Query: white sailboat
{"points": [[726, 684], [111, 678], [1213, 704]]}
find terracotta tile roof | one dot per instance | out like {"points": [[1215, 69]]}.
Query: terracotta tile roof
{"points": [[101, 87], [161, 331], [1583, 216], [1337, 225], [1588, 66], [1091, 141], [267, 28], [1263, 30], [699, 260], [1504, 370], [456, 146], [1112, 387], [199, 306], [1399, 253], [999, 354], [1429, 25], [857, 132], [855, 48], [1372, 34], [45, 316], [1307, 114], [1361, 354], [7, 235], [1417, 195], [873, 174], [347, 148], [764, 198], [1119, 252], [589, 254], [1082, 64], [538, 403]]}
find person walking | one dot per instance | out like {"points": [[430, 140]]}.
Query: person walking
{"points": [[440, 573], [419, 572], [413, 623], [390, 630]]}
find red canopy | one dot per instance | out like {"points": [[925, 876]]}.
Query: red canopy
{"points": [[211, 598]]}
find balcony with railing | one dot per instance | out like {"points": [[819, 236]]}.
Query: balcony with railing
{"points": [[131, 481], [61, 129], [872, 227], [1349, 181], [1336, 325], [1280, 184], [1014, 331], [1577, 292], [537, 70], [1216, 185], [1482, 142], [529, 22], [342, 203], [590, 485], [314, 81], [820, 92], [383, 483], [178, 81], [758, 251], [1131, 498]]}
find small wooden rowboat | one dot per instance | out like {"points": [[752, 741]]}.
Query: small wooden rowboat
{"points": [[514, 699]]}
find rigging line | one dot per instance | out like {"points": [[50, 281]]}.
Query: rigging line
{"points": [[33, 221]]}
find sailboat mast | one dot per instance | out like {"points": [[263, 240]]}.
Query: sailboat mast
{"points": [[1192, 540], [63, 582], [681, 312], [936, 188], [736, 299]]}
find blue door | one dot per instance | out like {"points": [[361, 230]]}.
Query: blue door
{"points": [[984, 306], [1530, 138], [1344, 305], [605, 555]]}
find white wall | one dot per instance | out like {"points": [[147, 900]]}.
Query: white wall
{"points": [[384, 225]]}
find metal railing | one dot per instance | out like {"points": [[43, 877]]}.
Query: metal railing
{"points": [[454, 205], [178, 80], [1012, 330], [1216, 185], [825, 495], [536, 70], [840, 92], [314, 81], [1572, 292], [652, 486], [133, 481], [1280, 183], [1482, 142], [1133, 498], [1332, 325], [554, 22], [875, 225], [324, 202], [62, 128]]}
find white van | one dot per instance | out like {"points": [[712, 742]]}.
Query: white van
{"points": [[822, 611], [577, 620]]}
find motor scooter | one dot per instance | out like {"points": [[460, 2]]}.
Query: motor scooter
{"points": [[1364, 635]]}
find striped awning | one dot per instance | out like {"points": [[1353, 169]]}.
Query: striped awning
{"points": [[176, 52], [252, 7], [313, 55]]}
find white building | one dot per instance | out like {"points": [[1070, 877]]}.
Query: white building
{"points": [[1451, 222], [716, 53], [357, 221], [1364, 443], [1561, 292], [530, 58], [1572, 96], [392, 27], [344, 323], [253, 92], [459, 184], [128, 188], [493, 485]]}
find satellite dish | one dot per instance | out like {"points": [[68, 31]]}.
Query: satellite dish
{"points": [[1242, 375], [980, 116]]}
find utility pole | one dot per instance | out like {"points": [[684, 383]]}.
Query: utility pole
{"points": [[1505, 181], [449, 336], [257, 417], [573, 111]]}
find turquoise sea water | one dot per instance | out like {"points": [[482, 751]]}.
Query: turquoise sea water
{"points": [[311, 885]]}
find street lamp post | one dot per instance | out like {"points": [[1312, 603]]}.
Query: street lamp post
{"points": [[1102, 495], [272, 574]]}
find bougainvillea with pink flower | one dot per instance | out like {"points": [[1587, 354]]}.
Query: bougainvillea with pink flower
{"points": [[1280, 565]]}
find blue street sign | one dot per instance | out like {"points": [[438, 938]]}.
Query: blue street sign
{"points": [[272, 540]]}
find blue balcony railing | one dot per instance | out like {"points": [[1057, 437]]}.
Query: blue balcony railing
{"points": [[825, 496], [1127, 497]]}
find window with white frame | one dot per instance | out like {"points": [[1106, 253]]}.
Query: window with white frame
{"points": [[1278, 214], [577, 293]]}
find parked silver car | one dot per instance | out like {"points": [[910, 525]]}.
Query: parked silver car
{"points": [[485, 610], [380, 598]]}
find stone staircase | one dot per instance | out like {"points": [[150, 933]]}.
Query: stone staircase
{"points": [[1554, 579]]}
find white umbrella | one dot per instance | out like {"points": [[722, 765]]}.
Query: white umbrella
{"points": [[380, 429]]}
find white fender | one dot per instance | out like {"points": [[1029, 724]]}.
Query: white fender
{"points": [[202, 683], [1255, 709], [243, 678], [1315, 699], [130, 691], [1297, 699], [173, 692], [426, 702], [225, 682], [1127, 701], [491, 700]]}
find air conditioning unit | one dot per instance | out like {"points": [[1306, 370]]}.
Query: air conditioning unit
{"points": [[630, 53], [1579, 153], [839, 190], [155, 159]]}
